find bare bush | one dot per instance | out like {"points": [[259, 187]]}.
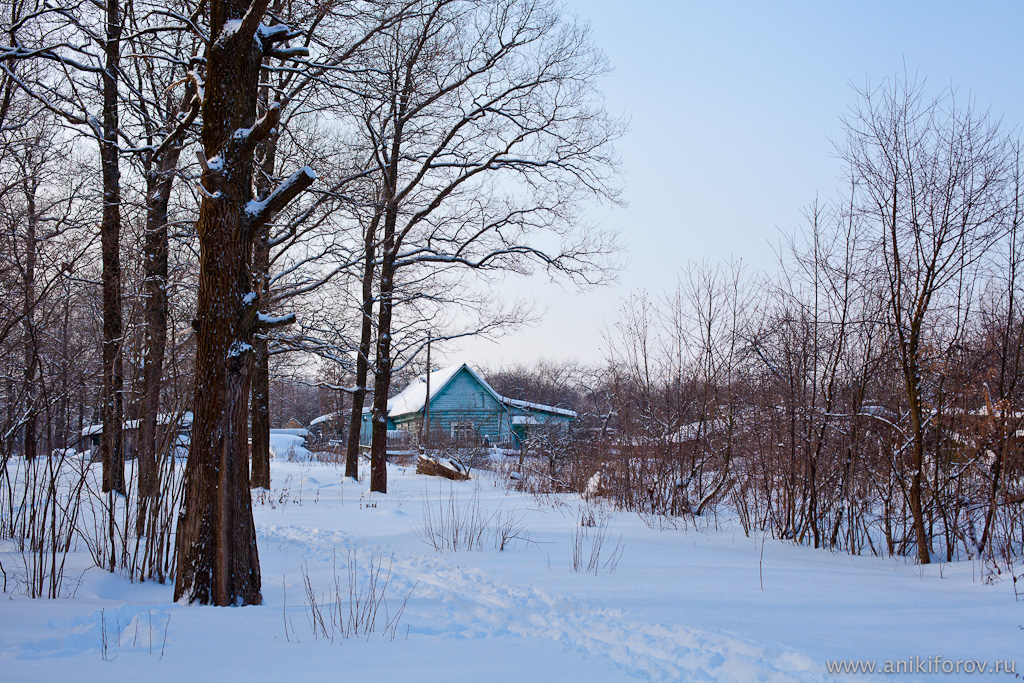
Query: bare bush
{"points": [[509, 531], [449, 526], [360, 607], [589, 553]]}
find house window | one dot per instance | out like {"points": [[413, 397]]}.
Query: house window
{"points": [[463, 431]]}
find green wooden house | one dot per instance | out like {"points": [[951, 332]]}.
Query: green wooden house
{"points": [[463, 406]]}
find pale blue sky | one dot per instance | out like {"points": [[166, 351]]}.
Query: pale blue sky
{"points": [[733, 107]]}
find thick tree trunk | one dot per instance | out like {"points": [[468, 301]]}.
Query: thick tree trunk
{"points": [[216, 539], [218, 562], [112, 439]]}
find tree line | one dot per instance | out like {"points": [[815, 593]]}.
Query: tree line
{"points": [[867, 396]]}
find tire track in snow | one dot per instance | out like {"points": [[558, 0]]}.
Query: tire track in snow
{"points": [[479, 606]]}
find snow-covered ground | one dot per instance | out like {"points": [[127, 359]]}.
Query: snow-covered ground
{"points": [[664, 604]]}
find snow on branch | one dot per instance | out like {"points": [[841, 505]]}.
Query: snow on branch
{"points": [[270, 36], [266, 322], [243, 29], [259, 212], [248, 138]]}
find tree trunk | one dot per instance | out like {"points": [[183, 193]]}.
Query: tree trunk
{"points": [[915, 493], [363, 356], [112, 439], [267, 154], [382, 379], [218, 562], [260, 477], [29, 445], [159, 181]]}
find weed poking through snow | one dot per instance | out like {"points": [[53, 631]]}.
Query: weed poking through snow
{"points": [[358, 608], [588, 544]]}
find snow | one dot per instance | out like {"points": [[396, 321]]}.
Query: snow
{"points": [[184, 421], [682, 604], [325, 418], [289, 444], [230, 28], [538, 406], [239, 348], [275, 319], [254, 206]]}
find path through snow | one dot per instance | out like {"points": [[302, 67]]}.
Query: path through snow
{"points": [[477, 606]]}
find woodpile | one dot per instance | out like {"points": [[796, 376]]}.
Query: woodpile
{"points": [[441, 467]]}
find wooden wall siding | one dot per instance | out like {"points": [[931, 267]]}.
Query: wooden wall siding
{"points": [[463, 393], [493, 425], [366, 428], [463, 399]]}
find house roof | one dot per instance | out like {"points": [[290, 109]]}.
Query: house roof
{"points": [[184, 421], [526, 405], [413, 397], [325, 418]]}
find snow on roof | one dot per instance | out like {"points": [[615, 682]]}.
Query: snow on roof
{"points": [[324, 418], [292, 431], [184, 421], [526, 405], [413, 397]]}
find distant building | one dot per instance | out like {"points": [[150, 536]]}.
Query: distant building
{"points": [[464, 407], [180, 424], [329, 428]]}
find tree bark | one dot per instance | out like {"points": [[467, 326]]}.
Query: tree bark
{"points": [[382, 385], [159, 182], [218, 562], [29, 445], [267, 154], [112, 439], [382, 366], [363, 355]]}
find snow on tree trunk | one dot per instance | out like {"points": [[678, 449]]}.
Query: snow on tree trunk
{"points": [[218, 562]]}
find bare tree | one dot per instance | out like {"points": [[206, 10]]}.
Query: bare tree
{"points": [[931, 178], [485, 129]]}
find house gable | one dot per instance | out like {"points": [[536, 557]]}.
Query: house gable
{"points": [[464, 401], [466, 392]]}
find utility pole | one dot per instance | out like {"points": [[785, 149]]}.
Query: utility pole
{"points": [[426, 403]]}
